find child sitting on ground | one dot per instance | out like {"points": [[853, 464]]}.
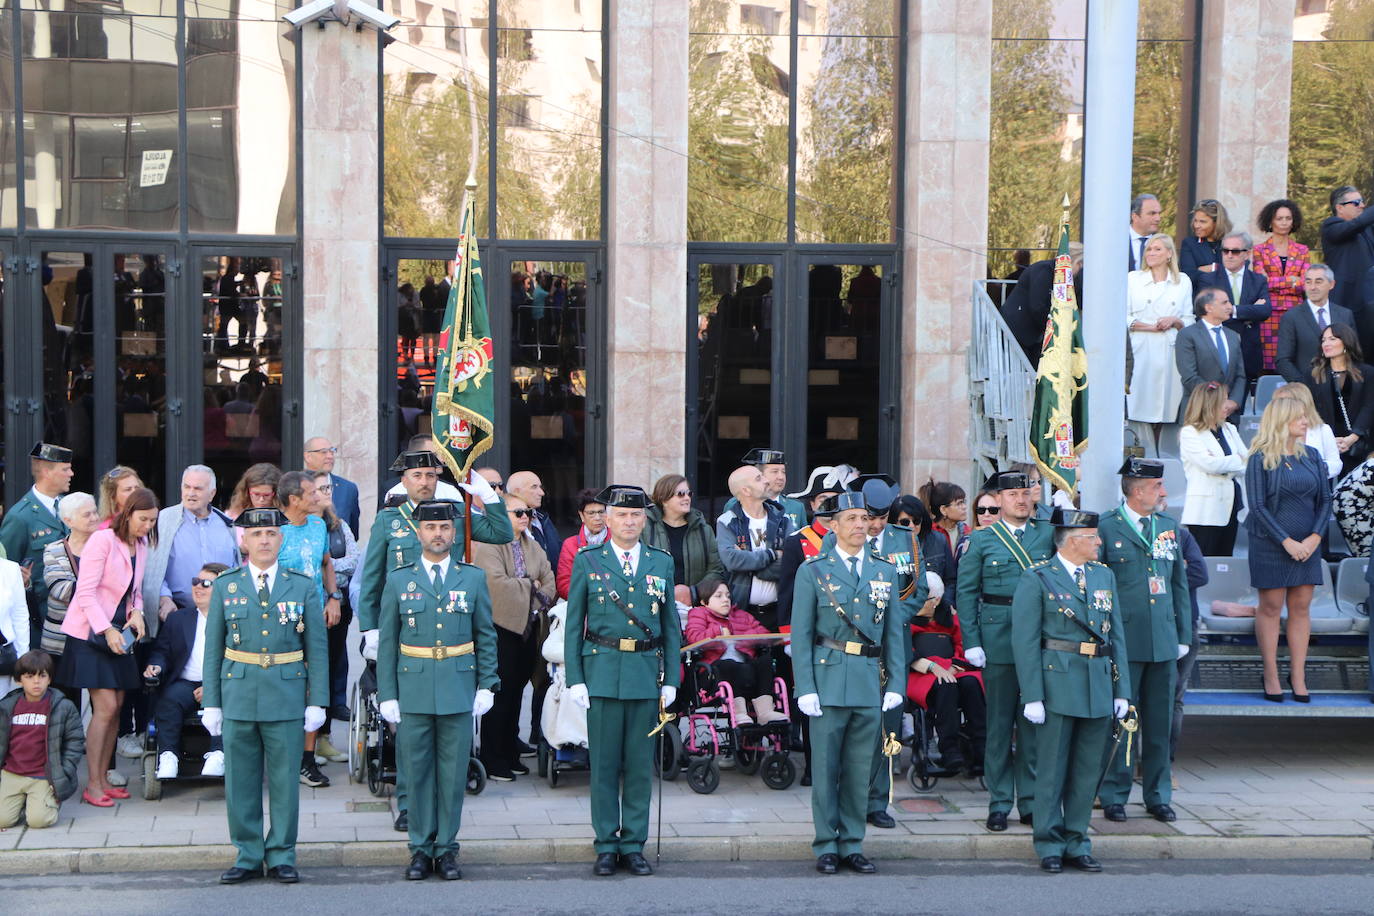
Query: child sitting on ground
{"points": [[38, 774], [747, 669]]}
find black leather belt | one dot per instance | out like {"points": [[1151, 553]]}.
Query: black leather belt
{"points": [[849, 648], [997, 599], [1077, 648], [626, 644]]}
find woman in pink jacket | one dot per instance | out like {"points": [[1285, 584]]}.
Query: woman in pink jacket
{"points": [[107, 601], [748, 671]]}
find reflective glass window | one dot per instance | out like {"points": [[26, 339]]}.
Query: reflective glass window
{"points": [[140, 302], [844, 303], [69, 357], [9, 171]]}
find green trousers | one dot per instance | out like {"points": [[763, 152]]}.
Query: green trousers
{"points": [[250, 749], [433, 752], [842, 740], [622, 759], [1010, 777], [1070, 763], [1152, 694], [880, 781]]}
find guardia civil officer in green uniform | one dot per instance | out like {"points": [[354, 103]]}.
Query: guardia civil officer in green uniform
{"points": [[1070, 655], [847, 634], [266, 685], [622, 650], [1140, 545], [394, 542], [988, 575], [436, 668], [32, 524]]}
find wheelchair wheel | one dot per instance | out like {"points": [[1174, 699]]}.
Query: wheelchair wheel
{"points": [[669, 756], [477, 776], [553, 775], [703, 775], [375, 756], [919, 777], [779, 772], [542, 752], [747, 762], [152, 786], [357, 738]]}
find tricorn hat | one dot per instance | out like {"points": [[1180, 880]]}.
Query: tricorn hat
{"points": [[421, 458], [617, 496], [1072, 518], [879, 491], [1007, 480], [261, 518], [849, 499], [826, 478], [1144, 468], [762, 456], [436, 510], [45, 452]]}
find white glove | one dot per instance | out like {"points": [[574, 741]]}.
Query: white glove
{"points": [[212, 717], [976, 657], [668, 694], [370, 645], [314, 718], [478, 486], [1120, 707], [482, 701], [391, 711], [891, 701], [1034, 713], [1183, 650], [578, 694], [787, 650], [1061, 499], [935, 586], [810, 704]]}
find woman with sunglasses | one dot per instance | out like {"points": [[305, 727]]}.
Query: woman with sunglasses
{"points": [[986, 511], [672, 524]]}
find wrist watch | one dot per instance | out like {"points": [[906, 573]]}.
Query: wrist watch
{"points": [[336, 595]]}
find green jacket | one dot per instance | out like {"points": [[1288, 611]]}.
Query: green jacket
{"points": [[825, 597], [1069, 684], [415, 615], [27, 528], [700, 558], [597, 582], [895, 545], [291, 621], [1156, 625], [394, 542], [991, 567]]}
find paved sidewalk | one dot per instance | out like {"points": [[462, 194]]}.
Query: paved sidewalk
{"points": [[1248, 787]]}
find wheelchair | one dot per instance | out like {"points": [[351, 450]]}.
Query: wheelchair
{"points": [[925, 771], [195, 743]]}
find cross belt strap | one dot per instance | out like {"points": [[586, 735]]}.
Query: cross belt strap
{"points": [[1068, 612], [437, 653], [629, 615], [1002, 600], [264, 659], [1068, 645], [849, 648], [625, 644]]}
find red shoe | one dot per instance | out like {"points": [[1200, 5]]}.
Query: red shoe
{"points": [[102, 801], [116, 792]]}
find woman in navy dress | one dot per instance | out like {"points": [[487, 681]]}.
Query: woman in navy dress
{"points": [[1290, 507], [1200, 254]]}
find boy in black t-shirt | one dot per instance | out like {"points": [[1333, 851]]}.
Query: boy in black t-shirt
{"points": [[33, 782]]}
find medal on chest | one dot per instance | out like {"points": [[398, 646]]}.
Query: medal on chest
{"points": [[655, 586], [1102, 600], [879, 592]]}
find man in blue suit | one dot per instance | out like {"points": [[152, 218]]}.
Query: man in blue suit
{"points": [[320, 455], [1249, 293]]}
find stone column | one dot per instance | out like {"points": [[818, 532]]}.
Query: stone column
{"points": [[948, 93], [646, 235], [1246, 86], [340, 247]]}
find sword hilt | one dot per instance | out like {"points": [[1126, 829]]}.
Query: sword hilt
{"points": [[664, 717]]}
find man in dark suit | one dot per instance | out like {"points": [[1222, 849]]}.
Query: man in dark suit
{"points": [[1028, 304], [320, 455], [1248, 291], [1145, 216], [1348, 246], [1207, 351], [1300, 328]]}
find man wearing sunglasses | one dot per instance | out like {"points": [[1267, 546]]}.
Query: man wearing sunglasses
{"points": [[1248, 290], [179, 653], [1348, 248]]}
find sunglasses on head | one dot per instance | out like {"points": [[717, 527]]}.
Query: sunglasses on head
{"points": [[521, 513], [202, 583]]}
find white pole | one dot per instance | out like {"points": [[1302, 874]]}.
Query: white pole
{"points": [[1109, 109]]}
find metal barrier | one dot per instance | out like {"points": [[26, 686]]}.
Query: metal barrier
{"points": [[1001, 389]]}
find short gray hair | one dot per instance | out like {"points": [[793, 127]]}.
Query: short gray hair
{"points": [[201, 469], [1330, 274], [72, 503], [1244, 237], [1138, 203]]}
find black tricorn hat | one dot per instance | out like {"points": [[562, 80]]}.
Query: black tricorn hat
{"points": [[762, 456], [436, 510], [1144, 468], [1072, 518], [617, 496], [849, 499], [261, 518], [45, 452], [421, 458], [879, 491], [1007, 480]]}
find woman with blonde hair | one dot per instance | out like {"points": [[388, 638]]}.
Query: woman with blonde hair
{"points": [[1159, 304], [1290, 507], [1213, 463], [1319, 435], [115, 486], [1201, 254]]}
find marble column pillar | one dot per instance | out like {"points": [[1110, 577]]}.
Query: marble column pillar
{"points": [[646, 233], [948, 93], [1246, 87], [340, 247]]}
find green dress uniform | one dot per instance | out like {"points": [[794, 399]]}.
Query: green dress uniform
{"points": [[988, 577], [1077, 689], [1152, 590], [436, 648], [266, 660], [623, 667], [831, 608], [25, 531]]}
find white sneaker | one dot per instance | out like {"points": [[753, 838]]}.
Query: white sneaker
{"points": [[130, 746], [116, 779], [214, 764], [168, 765]]}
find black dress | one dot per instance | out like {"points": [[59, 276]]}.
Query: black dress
{"points": [[83, 666]]}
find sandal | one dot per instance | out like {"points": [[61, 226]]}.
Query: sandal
{"points": [[101, 801], [116, 792]]}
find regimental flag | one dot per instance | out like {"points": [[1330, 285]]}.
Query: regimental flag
{"points": [[464, 403], [1059, 418]]}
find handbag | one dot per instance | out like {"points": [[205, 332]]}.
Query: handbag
{"points": [[9, 657], [933, 645]]}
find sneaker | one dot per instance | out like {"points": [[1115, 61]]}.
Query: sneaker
{"points": [[130, 746], [327, 752], [525, 750], [312, 777], [500, 775], [116, 779], [519, 769], [168, 765], [214, 764]]}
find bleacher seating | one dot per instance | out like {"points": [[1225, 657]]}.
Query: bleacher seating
{"points": [[1175, 484], [1264, 391], [1248, 426], [1229, 580], [1168, 440], [1352, 592]]}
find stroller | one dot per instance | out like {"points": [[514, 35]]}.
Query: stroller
{"points": [[563, 726]]}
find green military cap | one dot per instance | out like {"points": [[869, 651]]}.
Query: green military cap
{"points": [[436, 510], [1142, 468], [1072, 518], [762, 456], [617, 496], [878, 490], [420, 458], [261, 518], [1007, 480], [836, 504], [44, 451]]}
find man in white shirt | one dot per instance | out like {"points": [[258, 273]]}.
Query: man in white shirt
{"points": [[1145, 216], [749, 538]]}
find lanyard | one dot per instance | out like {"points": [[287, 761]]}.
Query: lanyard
{"points": [[1150, 544]]}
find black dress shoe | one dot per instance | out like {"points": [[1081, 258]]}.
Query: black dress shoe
{"points": [[827, 863], [1028, 820], [446, 867], [997, 821], [1114, 812], [636, 864], [856, 862], [284, 874], [524, 750], [238, 875], [419, 868], [402, 822], [806, 774], [605, 864], [1298, 697], [339, 713], [1085, 863], [882, 819], [1162, 813], [1271, 697], [1052, 864]]}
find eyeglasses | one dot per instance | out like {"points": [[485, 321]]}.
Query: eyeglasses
{"points": [[202, 583], [1234, 250], [324, 488], [989, 510], [1355, 202], [521, 513], [683, 493], [594, 513], [333, 450]]}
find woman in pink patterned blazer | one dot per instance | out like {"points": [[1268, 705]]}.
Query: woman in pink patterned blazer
{"points": [[1285, 262]]}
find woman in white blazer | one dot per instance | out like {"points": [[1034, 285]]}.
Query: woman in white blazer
{"points": [[1213, 464], [14, 614]]}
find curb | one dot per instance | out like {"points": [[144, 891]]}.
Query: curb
{"points": [[106, 860]]}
